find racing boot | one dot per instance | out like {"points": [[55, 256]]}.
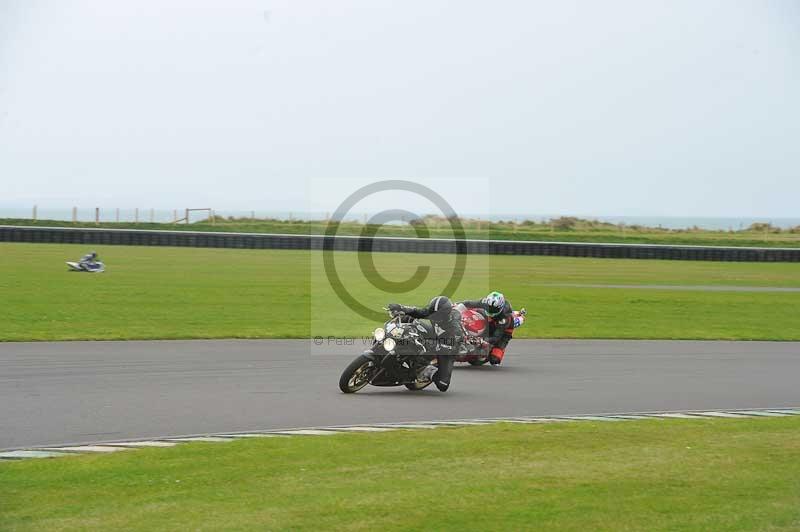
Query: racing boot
{"points": [[496, 356], [442, 377], [427, 373]]}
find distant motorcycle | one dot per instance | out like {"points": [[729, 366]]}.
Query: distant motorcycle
{"points": [[476, 325], [400, 349], [96, 267]]}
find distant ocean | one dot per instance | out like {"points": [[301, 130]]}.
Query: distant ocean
{"points": [[164, 215]]}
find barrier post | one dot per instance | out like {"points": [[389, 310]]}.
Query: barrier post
{"points": [[74, 215], [136, 215], [187, 216], [35, 213], [97, 216]]}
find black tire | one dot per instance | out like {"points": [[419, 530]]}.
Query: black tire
{"points": [[416, 386], [356, 375], [479, 362]]}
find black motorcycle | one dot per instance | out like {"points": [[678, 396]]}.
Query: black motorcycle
{"points": [[400, 349]]}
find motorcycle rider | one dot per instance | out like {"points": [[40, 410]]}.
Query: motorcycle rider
{"points": [[501, 323], [89, 260], [446, 322]]}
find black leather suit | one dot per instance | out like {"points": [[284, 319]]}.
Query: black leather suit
{"points": [[450, 335]]}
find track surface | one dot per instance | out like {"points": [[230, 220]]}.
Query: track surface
{"points": [[76, 392]]}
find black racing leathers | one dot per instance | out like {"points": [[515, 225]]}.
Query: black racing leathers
{"points": [[449, 338], [501, 325]]}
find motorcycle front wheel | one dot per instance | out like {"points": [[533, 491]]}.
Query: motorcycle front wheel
{"points": [[478, 362], [357, 374]]}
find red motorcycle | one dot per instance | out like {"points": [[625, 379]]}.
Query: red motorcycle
{"points": [[475, 323]]}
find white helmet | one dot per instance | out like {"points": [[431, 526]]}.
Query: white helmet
{"points": [[495, 301]]}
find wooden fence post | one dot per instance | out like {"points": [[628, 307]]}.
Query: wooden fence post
{"points": [[97, 216], [35, 213], [74, 215]]}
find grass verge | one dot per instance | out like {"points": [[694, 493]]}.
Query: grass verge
{"points": [[172, 293], [633, 475]]}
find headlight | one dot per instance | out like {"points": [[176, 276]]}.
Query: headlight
{"points": [[389, 344], [379, 334]]}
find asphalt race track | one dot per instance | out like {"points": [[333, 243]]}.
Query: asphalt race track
{"points": [[77, 392]]}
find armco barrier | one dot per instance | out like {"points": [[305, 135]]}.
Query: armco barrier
{"points": [[135, 237]]}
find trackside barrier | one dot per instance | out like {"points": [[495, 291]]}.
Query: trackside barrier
{"points": [[136, 237]]}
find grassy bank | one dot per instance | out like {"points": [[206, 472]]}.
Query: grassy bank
{"points": [[159, 292], [582, 231], [639, 475]]}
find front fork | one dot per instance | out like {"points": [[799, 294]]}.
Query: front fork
{"points": [[376, 358]]}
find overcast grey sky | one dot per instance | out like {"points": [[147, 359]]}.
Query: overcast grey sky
{"points": [[686, 108]]}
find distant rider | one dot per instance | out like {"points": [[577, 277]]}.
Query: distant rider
{"points": [[502, 320], [446, 322], [89, 260]]}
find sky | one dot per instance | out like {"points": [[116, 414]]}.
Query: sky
{"points": [[657, 108]]}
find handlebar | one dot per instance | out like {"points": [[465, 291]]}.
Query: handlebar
{"points": [[394, 313]]}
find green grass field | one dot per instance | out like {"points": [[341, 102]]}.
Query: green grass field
{"points": [[158, 292], [635, 475]]}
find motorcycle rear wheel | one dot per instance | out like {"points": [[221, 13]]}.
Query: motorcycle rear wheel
{"points": [[479, 362], [357, 374]]}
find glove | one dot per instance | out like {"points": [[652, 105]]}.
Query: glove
{"points": [[395, 307]]}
